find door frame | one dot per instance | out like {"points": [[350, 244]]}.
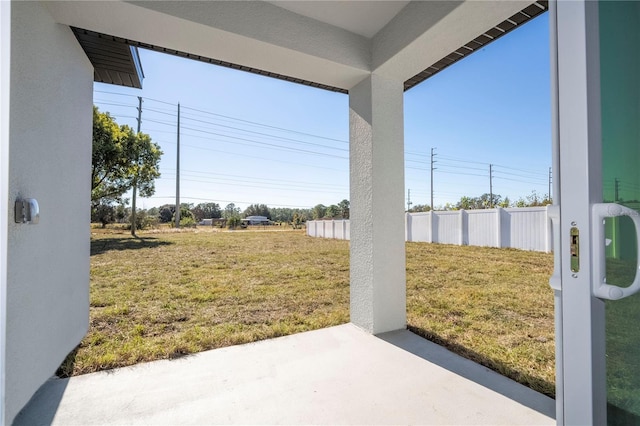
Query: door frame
{"points": [[581, 387]]}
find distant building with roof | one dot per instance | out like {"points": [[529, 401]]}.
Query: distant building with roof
{"points": [[256, 220]]}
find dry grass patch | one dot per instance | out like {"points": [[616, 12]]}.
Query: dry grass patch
{"points": [[493, 306], [166, 295]]}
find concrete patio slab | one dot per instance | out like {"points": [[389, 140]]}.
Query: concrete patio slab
{"points": [[338, 375]]}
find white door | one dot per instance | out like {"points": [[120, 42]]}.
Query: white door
{"points": [[597, 159]]}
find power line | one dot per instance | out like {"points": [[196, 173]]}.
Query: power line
{"points": [[232, 118], [260, 179], [254, 132], [462, 173], [273, 136], [269, 126], [251, 156], [235, 184], [115, 93], [254, 142], [213, 200], [272, 185], [455, 166]]}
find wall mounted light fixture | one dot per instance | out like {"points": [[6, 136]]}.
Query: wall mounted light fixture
{"points": [[27, 211]]}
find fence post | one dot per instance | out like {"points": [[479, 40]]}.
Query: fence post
{"points": [[499, 227], [463, 227], [549, 240], [407, 227]]}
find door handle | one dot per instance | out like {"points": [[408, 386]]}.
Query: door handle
{"points": [[600, 287]]}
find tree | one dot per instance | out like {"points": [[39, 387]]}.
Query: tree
{"points": [[533, 200], [344, 206], [467, 203], [186, 217], [144, 219], [296, 221], [103, 213], [332, 211], [166, 212], [281, 214], [257, 210], [230, 211], [206, 211], [485, 201], [417, 208], [122, 211], [319, 211], [120, 158], [505, 203]]}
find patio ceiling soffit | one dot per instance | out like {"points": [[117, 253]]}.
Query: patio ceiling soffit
{"points": [[517, 19]]}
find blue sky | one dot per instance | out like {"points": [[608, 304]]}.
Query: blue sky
{"points": [[251, 139]]}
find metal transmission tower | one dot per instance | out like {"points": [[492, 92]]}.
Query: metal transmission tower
{"points": [[616, 189], [409, 203], [135, 179], [433, 161]]}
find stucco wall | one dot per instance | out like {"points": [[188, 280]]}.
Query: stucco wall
{"points": [[49, 159]]}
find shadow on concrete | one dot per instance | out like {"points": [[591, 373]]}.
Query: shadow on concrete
{"points": [[43, 406], [104, 245], [441, 356]]}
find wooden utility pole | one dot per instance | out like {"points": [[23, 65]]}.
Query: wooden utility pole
{"points": [[490, 186], [135, 178], [178, 174], [433, 161], [550, 179]]}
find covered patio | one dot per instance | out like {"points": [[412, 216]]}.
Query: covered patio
{"points": [[371, 50], [337, 375]]}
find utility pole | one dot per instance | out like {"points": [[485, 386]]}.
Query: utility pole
{"points": [[178, 174], [433, 161], [549, 193], [616, 187], [490, 186], [409, 203], [135, 178]]}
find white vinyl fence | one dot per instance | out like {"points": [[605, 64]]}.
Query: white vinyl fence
{"points": [[338, 229], [525, 228]]}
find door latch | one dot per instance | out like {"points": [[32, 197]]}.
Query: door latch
{"points": [[574, 246]]}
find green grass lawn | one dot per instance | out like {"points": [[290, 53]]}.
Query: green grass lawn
{"points": [[491, 305], [165, 295]]}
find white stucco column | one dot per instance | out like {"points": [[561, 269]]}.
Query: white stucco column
{"points": [[376, 133]]}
